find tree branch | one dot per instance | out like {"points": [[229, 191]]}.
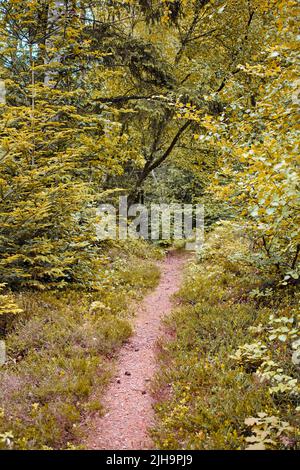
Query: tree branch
{"points": [[122, 99], [165, 155], [296, 256], [246, 35], [149, 167]]}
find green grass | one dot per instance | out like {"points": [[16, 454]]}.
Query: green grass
{"points": [[203, 396], [61, 348]]}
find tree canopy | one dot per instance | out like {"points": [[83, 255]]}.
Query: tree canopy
{"points": [[138, 96]]}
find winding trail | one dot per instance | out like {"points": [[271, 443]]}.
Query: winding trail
{"points": [[127, 401]]}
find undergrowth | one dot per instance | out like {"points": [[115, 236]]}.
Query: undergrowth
{"points": [[230, 366], [59, 345]]}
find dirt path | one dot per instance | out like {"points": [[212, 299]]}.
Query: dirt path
{"points": [[128, 403]]}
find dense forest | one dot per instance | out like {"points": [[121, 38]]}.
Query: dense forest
{"points": [[165, 102]]}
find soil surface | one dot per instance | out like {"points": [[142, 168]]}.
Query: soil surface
{"points": [[127, 401]]}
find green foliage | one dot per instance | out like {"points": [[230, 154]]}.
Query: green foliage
{"points": [[8, 309], [272, 358], [174, 100], [7, 304], [266, 430], [58, 352], [211, 378], [55, 148], [256, 136]]}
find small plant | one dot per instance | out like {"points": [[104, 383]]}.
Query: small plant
{"points": [[7, 303], [266, 430], [282, 329], [251, 355], [8, 309], [7, 440], [258, 355], [264, 293], [280, 382]]}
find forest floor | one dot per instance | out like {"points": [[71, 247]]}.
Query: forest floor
{"points": [[128, 404]]}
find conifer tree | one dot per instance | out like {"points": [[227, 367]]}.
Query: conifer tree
{"points": [[54, 152]]}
